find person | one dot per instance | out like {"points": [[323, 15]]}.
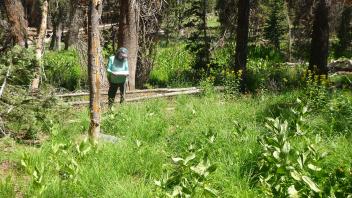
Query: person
{"points": [[117, 75]]}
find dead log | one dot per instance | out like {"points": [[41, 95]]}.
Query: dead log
{"points": [[5, 79], [162, 95]]}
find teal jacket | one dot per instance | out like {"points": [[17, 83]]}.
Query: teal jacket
{"points": [[116, 65]]}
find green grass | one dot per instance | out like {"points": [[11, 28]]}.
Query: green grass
{"points": [[150, 134], [172, 63]]}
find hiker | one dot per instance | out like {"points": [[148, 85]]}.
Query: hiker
{"points": [[117, 75]]}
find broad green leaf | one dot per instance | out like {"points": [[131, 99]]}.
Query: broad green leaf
{"points": [[276, 154], [199, 169], [281, 170], [293, 193], [310, 183], [295, 175], [138, 143], [177, 159], [286, 148], [211, 191], [23, 163], [157, 182], [177, 191], [189, 158], [212, 168], [315, 168]]}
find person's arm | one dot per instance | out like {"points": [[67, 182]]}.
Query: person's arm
{"points": [[109, 65], [126, 68]]}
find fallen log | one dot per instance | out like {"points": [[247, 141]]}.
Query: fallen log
{"points": [[160, 95], [104, 92]]}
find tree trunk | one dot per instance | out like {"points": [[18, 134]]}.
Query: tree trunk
{"points": [[290, 35], [39, 47], [204, 26], [320, 39], [75, 22], [242, 40], [56, 38], [128, 35], [344, 33], [94, 67], [57, 21], [15, 15]]}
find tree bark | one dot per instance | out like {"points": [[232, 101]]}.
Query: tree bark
{"points": [[290, 35], [74, 24], [15, 14], [57, 22], [56, 38], [39, 47], [344, 33], [320, 39], [94, 67], [242, 40], [128, 35]]}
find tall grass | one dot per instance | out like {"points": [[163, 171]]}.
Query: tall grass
{"points": [[172, 65], [153, 132]]}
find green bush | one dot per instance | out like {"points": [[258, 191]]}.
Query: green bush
{"points": [[172, 66], [22, 63], [63, 69]]}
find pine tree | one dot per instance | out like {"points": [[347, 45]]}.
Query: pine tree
{"points": [[199, 42], [274, 29]]}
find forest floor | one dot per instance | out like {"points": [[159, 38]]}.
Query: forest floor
{"points": [[152, 134]]}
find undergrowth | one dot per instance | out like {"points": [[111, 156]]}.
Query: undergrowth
{"points": [[202, 146]]}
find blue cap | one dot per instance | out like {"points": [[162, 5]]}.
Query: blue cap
{"points": [[123, 50]]}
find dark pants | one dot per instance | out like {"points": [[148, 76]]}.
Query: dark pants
{"points": [[112, 92]]}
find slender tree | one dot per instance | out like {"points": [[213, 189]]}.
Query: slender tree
{"points": [[128, 35], [75, 22], [320, 39], [58, 15], [273, 27], [39, 47], [290, 26], [94, 67], [148, 39], [344, 32], [198, 41], [242, 39], [18, 24]]}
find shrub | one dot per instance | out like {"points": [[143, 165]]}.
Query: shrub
{"points": [[172, 66], [22, 63], [63, 69]]}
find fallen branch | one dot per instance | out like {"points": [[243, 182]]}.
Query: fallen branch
{"points": [[130, 92], [4, 83], [162, 95], [2, 128]]}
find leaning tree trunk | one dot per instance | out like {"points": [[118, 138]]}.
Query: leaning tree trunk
{"points": [[128, 35], [39, 47], [75, 22], [15, 14], [320, 39], [242, 40], [94, 67]]}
